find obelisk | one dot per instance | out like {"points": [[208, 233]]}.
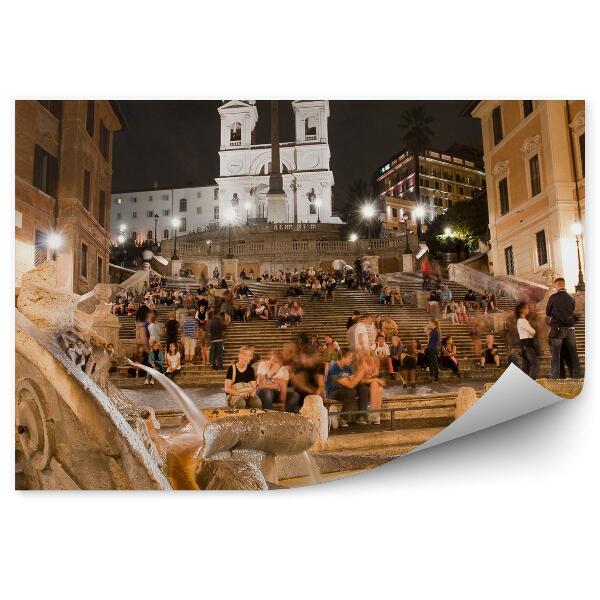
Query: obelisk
{"points": [[276, 198]]}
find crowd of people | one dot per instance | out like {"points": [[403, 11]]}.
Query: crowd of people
{"points": [[349, 373]]}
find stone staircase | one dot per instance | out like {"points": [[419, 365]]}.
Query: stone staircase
{"points": [[327, 317]]}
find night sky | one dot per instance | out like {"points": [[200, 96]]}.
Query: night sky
{"points": [[176, 142]]}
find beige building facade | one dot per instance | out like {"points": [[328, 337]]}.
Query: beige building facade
{"points": [[534, 153], [63, 172]]}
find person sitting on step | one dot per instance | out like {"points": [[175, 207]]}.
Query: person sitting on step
{"points": [[156, 360], [449, 357], [489, 354], [273, 378], [173, 358], [240, 382]]}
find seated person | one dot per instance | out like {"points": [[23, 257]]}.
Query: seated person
{"points": [[240, 382], [396, 355], [273, 378], [448, 356], [173, 358], [156, 360], [344, 384], [470, 299], [489, 354], [382, 352]]}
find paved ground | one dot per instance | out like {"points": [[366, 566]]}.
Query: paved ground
{"points": [[156, 397]]}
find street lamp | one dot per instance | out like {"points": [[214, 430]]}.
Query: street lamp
{"points": [[121, 238], [247, 206], [122, 227], [419, 214], [155, 226], [368, 212], [577, 229], [318, 205], [175, 223], [448, 232], [353, 237], [407, 247], [229, 219], [54, 242]]}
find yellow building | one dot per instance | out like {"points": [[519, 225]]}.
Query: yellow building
{"points": [[534, 153], [443, 180]]}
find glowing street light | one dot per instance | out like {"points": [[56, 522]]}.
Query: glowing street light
{"points": [[419, 212], [353, 237], [54, 240], [368, 211], [121, 238], [122, 227], [577, 230], [448, 232]]}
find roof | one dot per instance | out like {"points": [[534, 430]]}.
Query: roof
{"points": [[162, 189], [468, 108]]}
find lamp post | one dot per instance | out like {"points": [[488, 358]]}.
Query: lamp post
{"points": [[155, 226], [407, 247], [577, 229], [54, 242], [247, 206], [175, 223], [368, 212], [229, 217], [419, 214], [318, 205]]}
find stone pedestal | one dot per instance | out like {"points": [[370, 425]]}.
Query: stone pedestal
{"points": [[422, 300], [277, 206], [314, 410], [579, 303], [465, 399], [230, 266], [409, 263], [174, 267]]}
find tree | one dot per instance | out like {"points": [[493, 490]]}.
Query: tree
{"points": [[358, 195], [468, 222], [417, 133]]}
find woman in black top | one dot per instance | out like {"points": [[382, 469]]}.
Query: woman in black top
{"points": [[240, 382]]}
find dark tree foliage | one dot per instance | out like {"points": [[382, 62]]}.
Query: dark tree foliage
{"points": [[468, 220]]}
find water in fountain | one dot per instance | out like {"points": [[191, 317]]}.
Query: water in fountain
{"points": [[313, 471], [192, 412]]}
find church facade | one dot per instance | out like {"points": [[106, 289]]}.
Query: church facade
{"points": [[243, 181]]}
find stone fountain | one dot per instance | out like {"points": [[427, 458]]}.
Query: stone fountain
{"points": [[76, 430]]}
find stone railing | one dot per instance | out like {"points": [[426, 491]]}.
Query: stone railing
{"points": [[501, 286], [339, 248]]}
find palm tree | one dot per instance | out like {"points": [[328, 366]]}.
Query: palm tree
{"points": [[414, 123]]}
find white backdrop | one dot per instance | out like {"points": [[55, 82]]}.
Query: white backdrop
{"points": [[510, 512]]}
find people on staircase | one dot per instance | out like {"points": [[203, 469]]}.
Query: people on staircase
{"points": [[489, 354], [156, 360], [529, 356], [449, 355], [433, 349], [173, 358], [240, 382]]}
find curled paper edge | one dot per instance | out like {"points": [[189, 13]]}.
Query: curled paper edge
{"points": [[513, 395]]}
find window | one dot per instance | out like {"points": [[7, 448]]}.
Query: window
{"points": [[149, 198], [582, 153], [119, 216], [134, 236], [310, 128], [198, 210], [86, 190], [165, 196], [436, 185], [503, 194], [216, 213], [40, 248], [534, 175], [133, 199], [149, 234], [45, 172], [89, 118], [83, 262], [104, 140], [182, 225], [215, 194], [448, 187], [134, 215], [449, 203], [100, 270], [166, 212], [53, 106], [165, 234], [527, 107], [312, 209], [394, 213], [542, 249], [198, 194], [182, 205], [509, 260], [461, 190], [150, 214], [497, 125], [102, 208], [235, 134]]}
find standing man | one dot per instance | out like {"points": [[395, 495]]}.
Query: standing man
{"points": [[216, 333], [560, 310], [190, 335]]}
